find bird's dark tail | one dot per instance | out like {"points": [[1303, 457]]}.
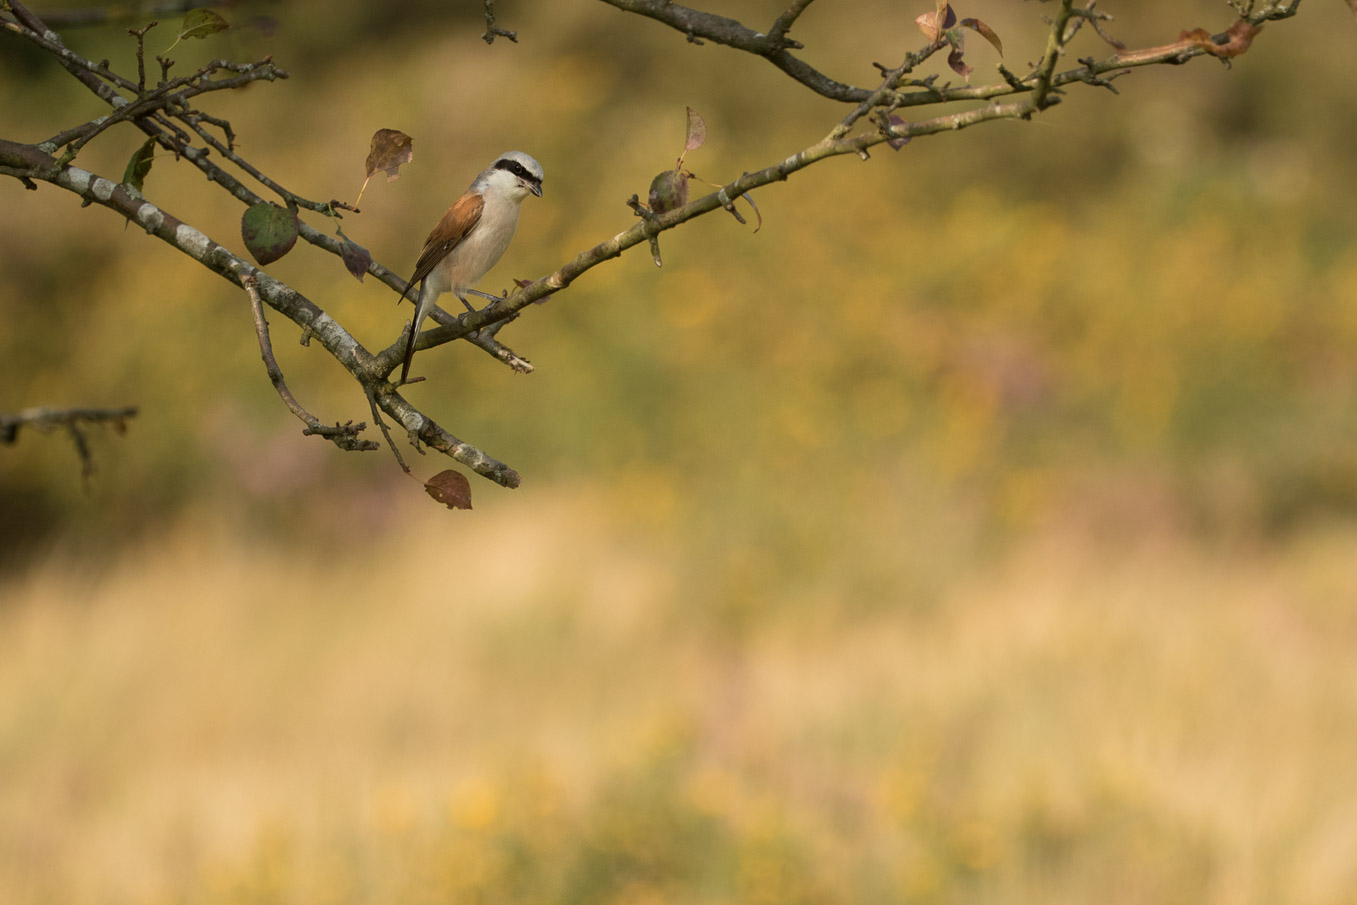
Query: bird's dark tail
{"points": [[410, 349]]}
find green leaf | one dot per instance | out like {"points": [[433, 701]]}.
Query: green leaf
{"points": [[140, 164], [269, 231], [199, 23]]}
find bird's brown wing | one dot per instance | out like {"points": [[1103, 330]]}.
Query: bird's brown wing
{"points": [[451, 230]]}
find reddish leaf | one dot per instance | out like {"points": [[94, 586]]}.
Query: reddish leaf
{"points": [[356, 258], [450, 488]]}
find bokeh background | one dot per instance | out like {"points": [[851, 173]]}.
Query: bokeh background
{"points": [[981, 529]]}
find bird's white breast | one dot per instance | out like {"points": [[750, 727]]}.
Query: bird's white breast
{"points": [[473, 257]]}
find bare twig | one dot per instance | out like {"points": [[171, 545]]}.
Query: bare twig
{"points": [[226, 150], [140, 35], [785, 21], [1055, 47], [493, 31], [69, 420], [718, 29], [345, 436], [377, 419]]}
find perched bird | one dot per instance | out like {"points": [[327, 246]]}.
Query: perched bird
{"points": [[471, 237]]}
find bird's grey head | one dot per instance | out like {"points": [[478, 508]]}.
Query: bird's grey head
{"points": [[515, 173]]}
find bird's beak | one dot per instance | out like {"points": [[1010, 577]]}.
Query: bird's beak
{"points": [[535, 188]]}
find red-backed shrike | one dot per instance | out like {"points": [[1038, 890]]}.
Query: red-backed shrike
{"points": [[471, 237]]}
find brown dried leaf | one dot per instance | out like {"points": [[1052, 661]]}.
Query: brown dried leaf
{"points": [[928, 24], [450, 488], [697, 131], [935, 23], [988, 33], [390, 149]]}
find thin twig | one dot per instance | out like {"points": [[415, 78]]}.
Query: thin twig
{"points": [[226, 150], [140, 35], [381, 423], [785, 21], [69, 420], [493, 31], [697, 24], [345, 436]]}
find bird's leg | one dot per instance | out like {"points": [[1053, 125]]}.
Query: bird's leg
{"points": [[485, 295]]}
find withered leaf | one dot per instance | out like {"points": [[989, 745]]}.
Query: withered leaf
{"points": [[697, 130], [988, 33], [199, 23], [140, 164], [450, 488], [390, 148], [757, 213], [269, 231], [356, 258], [954, 57], [935, 23]]}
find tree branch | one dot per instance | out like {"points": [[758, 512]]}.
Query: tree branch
{"points": [[341, 345], [70, 420], [158, 113], [493, 31], [720, 30]]}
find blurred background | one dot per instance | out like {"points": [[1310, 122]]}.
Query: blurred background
{"points": [[981, 529]]}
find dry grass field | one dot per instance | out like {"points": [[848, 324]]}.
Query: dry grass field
{"points": [[580, 709]]}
